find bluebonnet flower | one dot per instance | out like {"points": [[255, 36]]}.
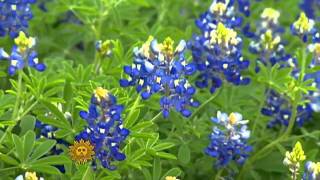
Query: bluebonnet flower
{"points": [[159, 68], [266, 41], [22, 53], [309, 7], [279, 108], [104, 48], [312, 171], [303, 27], [270, 49], [15, 16], [229, 139], [217, 52], [314, 96], [105, 130]]}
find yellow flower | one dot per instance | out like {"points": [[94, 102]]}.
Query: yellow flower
{"points": [[30, 176], [171, 178], [270, 14], [223, 36], [316, 49], [23, 42], [315, 168], [101, 93], [303, 24], [106, 48], [233, 119], [81, 151], [268, 41], [218, 8], [145, 49], [296, 156], [166, 47]]}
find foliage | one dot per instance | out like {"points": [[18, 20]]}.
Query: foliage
{"points": [[85, 44]]}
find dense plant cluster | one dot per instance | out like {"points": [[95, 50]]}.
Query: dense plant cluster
{"points": [[159, 90]]}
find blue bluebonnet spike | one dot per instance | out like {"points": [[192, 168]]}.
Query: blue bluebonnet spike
{"points": [[303, 27], [22, 54], [311, 171], [228, 140], [161, 68], [15, 16], [105, 130], [217, 52], [310, 7], [279, 109]]}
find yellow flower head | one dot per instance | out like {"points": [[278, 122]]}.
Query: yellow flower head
{"points": [[81, 151], [233, 119], [223, 36], [171, 178], [166, 47], [105, 48], [101, 93], [303, 24], [268, 41], [30, 176], [218, 8], [145, 49], [317, 49], [315, 168], [23, 42], [295, 156], [270, 14]]}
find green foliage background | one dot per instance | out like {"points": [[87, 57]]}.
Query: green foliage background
{"points": [[156, 147]]}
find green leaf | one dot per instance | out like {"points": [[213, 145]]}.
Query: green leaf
{"points": [[133, 114], [7, 159], [147, 174], [19, 147], [53, 122], [53, 160], [172, 172], [42, 149], [56, 112], [156, 169], [45, 169], [184, 154], [271, 163], [27, 123], [88, 174], [61, 133], [166, 155], [67, 94], [28, 143], [163, 146]]}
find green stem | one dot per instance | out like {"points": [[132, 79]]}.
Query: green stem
{"points": [[259, 114], [283, 137], [29, 109], [156, 117], [97, 32], [218, 175], [17, 103], [8, 169], [16, 109], [205, 103]]}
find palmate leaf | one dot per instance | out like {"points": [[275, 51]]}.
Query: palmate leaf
{"points": [[29, 153], [28, 143], [18, 143], [52, 160], [42, 149]]}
